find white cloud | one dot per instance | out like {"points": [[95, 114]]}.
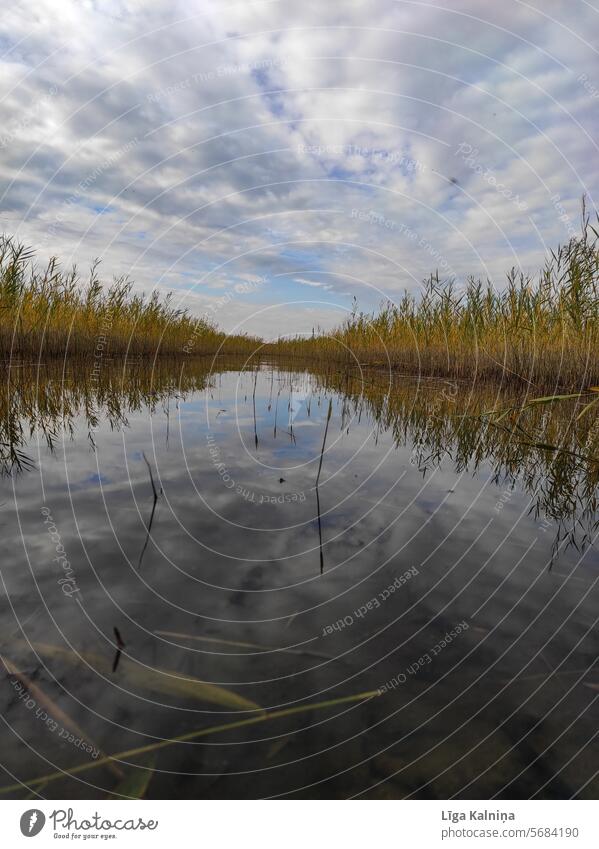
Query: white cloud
{"points": [[315, 283], [283, 141]]}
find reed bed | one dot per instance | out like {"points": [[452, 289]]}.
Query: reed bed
{"points": [[541, 330], [51, 312], [538, 330]]}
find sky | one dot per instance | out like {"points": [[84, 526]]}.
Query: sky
{"points": [[270, 162]]}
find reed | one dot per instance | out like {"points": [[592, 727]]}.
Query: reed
{"points": [[541, 330], [51, 312]]}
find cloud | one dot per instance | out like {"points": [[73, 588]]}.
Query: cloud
{"points": [[315, 283], [371, 143]]}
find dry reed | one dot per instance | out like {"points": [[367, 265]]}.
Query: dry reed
{"points": [[49, 312], [540, 331]]}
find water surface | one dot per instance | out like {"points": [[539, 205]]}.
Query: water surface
{"points": [[443, 561]]}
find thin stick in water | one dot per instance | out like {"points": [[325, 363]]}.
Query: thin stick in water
{"points": [[324, 441], [155, 494]]}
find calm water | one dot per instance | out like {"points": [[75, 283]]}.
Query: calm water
{"points": [[447, 563]]}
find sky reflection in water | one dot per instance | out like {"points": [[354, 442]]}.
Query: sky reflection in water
{"points": [[458, 575]]}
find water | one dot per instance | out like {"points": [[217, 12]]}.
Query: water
{"points": [[446, 563]]}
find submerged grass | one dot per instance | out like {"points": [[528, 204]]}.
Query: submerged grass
{"points": [[47, 704], [541, 330], [138, 675], [122, 757], [51, 312]]}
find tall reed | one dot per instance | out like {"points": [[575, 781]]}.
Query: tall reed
{"points": [[541, 330], [51, 312]]}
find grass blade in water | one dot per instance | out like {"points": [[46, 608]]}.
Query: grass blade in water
{"points": [[233, 643], [136, 783], [156, 680], [194, 735], [50, 706]]}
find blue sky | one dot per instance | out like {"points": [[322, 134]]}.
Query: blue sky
{"points": [[271, 161]]}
